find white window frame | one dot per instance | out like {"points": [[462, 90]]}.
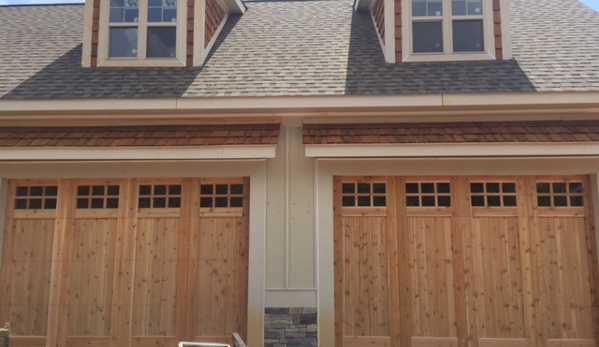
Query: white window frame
{"points": [[104, 38], [448, 55]]}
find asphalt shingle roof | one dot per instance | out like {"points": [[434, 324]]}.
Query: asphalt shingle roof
{"points": [[298, 48]]}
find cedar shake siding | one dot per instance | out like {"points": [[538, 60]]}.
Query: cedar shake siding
{"points": [[214, 18], [95, 33], [497, 29], [190, 26], [378, 14], [398, 32], [422, 133]]}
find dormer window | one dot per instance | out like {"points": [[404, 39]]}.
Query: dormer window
{"points": [[449, 30], [142, 33]]}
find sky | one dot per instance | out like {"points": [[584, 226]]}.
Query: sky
{"points": [[591, 3]]}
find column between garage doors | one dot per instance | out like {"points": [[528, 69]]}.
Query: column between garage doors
{"points": [[458, 261], [125, 262]]}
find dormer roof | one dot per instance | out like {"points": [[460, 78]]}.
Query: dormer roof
{"points": [[300, 48]]}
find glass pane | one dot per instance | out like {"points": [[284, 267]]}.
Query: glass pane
{"points": [[97, 203], [508, 187], [349, 201], [468, 36], [144, 203], [363, 188], [82, 203], [559, 187], [493, 200], [443, 188], [428, 188], [159, 202], [174, 202], [160, 190], [474, 7], [206, 202], [117, 15], [428, 201], [444, 201], [162, 42], [50, 204], [412, 201], [237, 189], [576, 201], [236, 202], [222, 189], [492, 187], [113, 190], [458, 7], [348, 188], [428, 37], [145, 190], [379, 188], [36, 191], [123, 42], [412, 188], [51, 191], [21, 204], [379, 201], [543, 188], [35, 204], [418, 8], [576, 188], [544, 201], [363, 200], [560, 201], [509, 201], [98, 190], [221, 202], [162, 11], [206, 189], [174, 189], [478, 201], [112, 203], [22, 191], [477, 188]]}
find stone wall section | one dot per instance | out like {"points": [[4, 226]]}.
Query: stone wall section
{"points": [[290, 327]]}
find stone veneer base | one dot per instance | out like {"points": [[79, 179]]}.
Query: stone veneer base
{"points": [[290, 327]]}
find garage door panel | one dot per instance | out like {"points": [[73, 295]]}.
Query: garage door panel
{"points": [[498, 286], [433, 304]]}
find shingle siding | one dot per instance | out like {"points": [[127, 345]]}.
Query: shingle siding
{"points": [[214, 18]]}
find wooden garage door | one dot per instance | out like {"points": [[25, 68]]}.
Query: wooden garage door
{"points": [[465, 261], [125, 262]]}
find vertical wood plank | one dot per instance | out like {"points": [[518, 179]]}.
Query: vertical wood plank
{"points": [[405, 290], [463, 185], [591, 241], [58, 298], [393, 263], [189, 197], [124, 266], [243, 279], [7, 256], [459, 273], [338, 263]]}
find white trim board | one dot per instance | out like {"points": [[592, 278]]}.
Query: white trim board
{"points": [[138, 153], [452, 150]]}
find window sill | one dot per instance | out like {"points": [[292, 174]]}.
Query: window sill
{"points": [[141, 63], [431, 57]]}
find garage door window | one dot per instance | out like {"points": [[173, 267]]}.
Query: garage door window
{"points": [[221, 195], [36, 197], [98, 197], [493, 194], [364, 194], [560, 194], [428, 194], [159, 196]]}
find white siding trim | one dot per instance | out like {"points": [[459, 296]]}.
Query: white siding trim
{"points": [[389, 14], [291, 298], [86, 51], [3, 204], [506, 32], [143, 153], [452, 150]]}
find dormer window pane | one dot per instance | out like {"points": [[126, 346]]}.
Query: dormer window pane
{"points": [[466, 7], [162, 42], [123, 43], [124, 11], [468, 36], [164, 11], [428, 37], [427, 8]]}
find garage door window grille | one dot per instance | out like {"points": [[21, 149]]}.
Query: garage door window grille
{"points": [[159, 196], [493, 194], [560, 194], [98, 197], [428, 194], [36, 197], [221, 196], [362, 194]]}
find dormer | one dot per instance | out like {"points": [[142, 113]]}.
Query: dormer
{"points": [[441, 30], [153, 33]]}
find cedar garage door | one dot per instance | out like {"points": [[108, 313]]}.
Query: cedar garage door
{"points": [[465, 261], [133, 262]]}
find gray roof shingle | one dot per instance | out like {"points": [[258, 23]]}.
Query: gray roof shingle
{"points": [[298, 48]]}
